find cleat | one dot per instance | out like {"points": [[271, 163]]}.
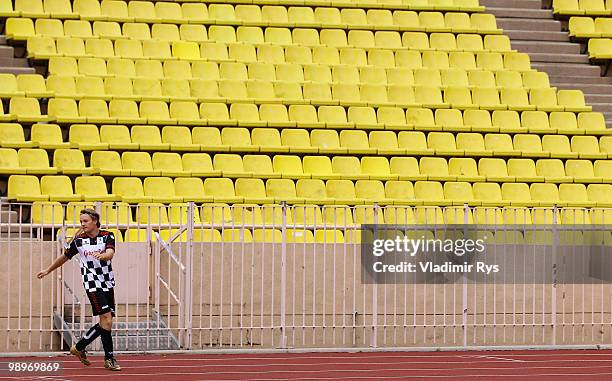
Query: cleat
{"points": [[81, 355], [111, 364]]}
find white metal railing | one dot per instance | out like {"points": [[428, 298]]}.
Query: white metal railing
{"points": [[288, 276]]}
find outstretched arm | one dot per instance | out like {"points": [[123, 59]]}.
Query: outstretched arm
{"points": [[59, 261]]}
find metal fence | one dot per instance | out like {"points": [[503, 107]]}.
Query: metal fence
{"points": [[287, 276]]}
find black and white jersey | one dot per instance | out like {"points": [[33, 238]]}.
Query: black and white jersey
{"points": [[97, 274]]}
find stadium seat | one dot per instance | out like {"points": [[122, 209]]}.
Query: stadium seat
{"points": [[93, 188], [71, 162], [25, 188], [108, 163], [191, 189]]}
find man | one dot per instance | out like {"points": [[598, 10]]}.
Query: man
{"points": [[95, 248]]}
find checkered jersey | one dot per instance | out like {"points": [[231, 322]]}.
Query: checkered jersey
{"points": [[97, 275]]}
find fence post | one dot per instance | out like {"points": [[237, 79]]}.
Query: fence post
{"points": [[464, 297], [283, 290], [188, 302], [374, 339], [555, 239]]}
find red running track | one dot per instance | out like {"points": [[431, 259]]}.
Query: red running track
{"points": [[559, 365]]}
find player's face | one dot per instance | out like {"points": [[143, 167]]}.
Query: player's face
{"points": [[88, 224]]}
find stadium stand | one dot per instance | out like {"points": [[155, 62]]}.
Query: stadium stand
{"points": [[407, 103]]}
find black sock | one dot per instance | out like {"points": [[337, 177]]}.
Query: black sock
{"points": [[89, 337], [107, 343]]}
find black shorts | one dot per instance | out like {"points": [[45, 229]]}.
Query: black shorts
{"points": [[102, 302]]}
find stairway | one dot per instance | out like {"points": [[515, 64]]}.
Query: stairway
{"points": [[10, 64], [534, 31], [144, 335]]}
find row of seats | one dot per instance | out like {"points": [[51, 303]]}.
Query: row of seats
{"points": [[301, 47], [141, 164], [221, 215], [23, 28], [587, 27], [292, 72], [564, 8], [26, 188], [171, 88], [158, 11], [135, 86], [243, 111], [438, 45], [328, 141]]}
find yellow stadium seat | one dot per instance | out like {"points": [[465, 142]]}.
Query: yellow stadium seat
{"points": [[575, 195], [58, 188], [327, 141], [19, 28], [372, 192], [47, 213], [489, 194], [268, 236], [430, 193], [430, 215], [443, 41], [494, 170], [572, 100], [25, 188], [139, 164], [86, 137], [26, 110], [282, 190], [117, 137], [152, 213], [209, 139], [199, 165], [545, 99], [406, 168], [96, 111], [12, 136], [591, 122], [587, 147], [319, 167], [582, 171], [170, 164], [191, 189], [529, 144], [161, 189], [599, 48], [602, 169], [601, 194], [444, 142], [230, 165], [472, 144], [260, 166], [377, 168], [313, 191], [9, 162], [464, 169], [35, 161], [286, 166], [33, 85], [148, 138], [488, 216], [40, 47], [47, 136], [343, 192], [552, 170], [222, 190], [298, 140], [348, 167], [108, 163], [480, 120], [238, 139], [524, 170], [518, 194], [485, 23], [93, 188], [268, 139], [413, 142], [500, 144], [216, 114], [435, 168], [170, 33], [71, 162], [8, 83]]}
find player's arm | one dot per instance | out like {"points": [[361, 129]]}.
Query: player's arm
{"points": [[109, 249], [59, 261], [106, 255]]}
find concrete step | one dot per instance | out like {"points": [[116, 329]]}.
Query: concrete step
{"points": [[17, 70], [541, 25], [559, 69], [529, 35], [546, 47], [524, 4], [599, 98], [16, 62], [561, 58], [572, 80], [520, 13], [589, 89], [602, 107]]}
